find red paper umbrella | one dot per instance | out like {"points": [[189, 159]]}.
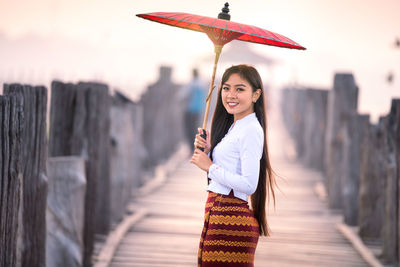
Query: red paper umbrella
{"points": [[221, 31]]}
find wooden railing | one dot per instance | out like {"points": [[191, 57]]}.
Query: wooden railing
{"points": [[100, 146], [360, 160]]}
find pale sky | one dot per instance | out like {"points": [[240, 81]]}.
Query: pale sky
{"points": [[125, 51]]}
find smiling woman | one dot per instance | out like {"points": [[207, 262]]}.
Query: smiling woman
{"points": [[237, 166]]}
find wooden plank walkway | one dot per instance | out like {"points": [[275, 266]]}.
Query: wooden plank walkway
{"points": [[303, 228]]}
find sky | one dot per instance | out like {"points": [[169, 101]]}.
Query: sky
{"points": [[103, 40]]}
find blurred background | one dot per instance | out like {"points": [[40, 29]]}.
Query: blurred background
{"points": [[104, 41]]}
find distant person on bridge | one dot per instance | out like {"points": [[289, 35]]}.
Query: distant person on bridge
{"points": [[195, 95], [237, 163]]}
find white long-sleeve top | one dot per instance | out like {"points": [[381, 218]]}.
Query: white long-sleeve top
{"points": [[236, 159]]}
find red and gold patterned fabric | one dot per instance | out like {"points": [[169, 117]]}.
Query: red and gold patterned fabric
{"points": [[230, 233]]}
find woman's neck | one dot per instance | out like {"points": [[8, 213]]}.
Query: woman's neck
{"points": [[241, 116]]}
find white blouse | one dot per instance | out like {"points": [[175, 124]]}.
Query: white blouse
{"points": [[236, 159]]}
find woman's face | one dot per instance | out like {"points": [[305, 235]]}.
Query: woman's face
{"points": [[237, 96]]}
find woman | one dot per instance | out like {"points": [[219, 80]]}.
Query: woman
{"points": [[238, 167]]}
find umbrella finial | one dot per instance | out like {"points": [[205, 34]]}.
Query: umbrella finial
{"points": [[225, 12]]}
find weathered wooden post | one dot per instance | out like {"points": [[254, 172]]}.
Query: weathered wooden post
{"points": [[122, 155], [372, 182], [98, 136], [140, 153], [65, 211], [11, 120], [314, 128], [289, 112], [353, 133], [34, 157], [391, 226], [299, 117], [79, 125], [159, 118], [285, 107], [342, 100]]}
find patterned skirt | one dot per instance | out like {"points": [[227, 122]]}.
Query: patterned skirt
{"points": [[230, 233]]}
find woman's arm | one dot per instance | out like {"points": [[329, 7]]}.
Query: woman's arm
{"points": [[201, 160]]}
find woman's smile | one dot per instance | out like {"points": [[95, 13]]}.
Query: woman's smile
{"points": [[232, 104]]}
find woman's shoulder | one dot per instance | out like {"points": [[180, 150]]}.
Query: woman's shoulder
{"points": [[252, 137], [252, 129]]}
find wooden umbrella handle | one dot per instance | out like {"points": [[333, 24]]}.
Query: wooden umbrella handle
{"points": [[218, 49]]}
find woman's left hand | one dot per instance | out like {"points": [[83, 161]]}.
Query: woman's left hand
{"points": [[201, 160]]}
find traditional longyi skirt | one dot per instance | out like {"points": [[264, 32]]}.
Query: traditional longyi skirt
{"points": [[230, 233]]}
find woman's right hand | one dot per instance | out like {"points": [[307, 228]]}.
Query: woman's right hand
{"points": [[201, 142]]}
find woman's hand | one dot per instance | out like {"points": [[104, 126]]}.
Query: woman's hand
{"points": [[201, 142], [201, 160]]}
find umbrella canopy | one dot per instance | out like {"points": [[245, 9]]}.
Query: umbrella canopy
{"points": [[221, 31]]}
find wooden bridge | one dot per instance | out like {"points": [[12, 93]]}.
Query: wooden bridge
{"points": [[95, 165], [166, 222]]}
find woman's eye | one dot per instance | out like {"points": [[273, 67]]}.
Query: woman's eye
{"points": [[225, 88], [240, 89]]}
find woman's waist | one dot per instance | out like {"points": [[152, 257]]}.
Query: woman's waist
{"points": [[218, 188], [225, 199]]}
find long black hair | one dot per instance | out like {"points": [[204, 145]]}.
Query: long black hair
{"points": [[221, 123]]}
